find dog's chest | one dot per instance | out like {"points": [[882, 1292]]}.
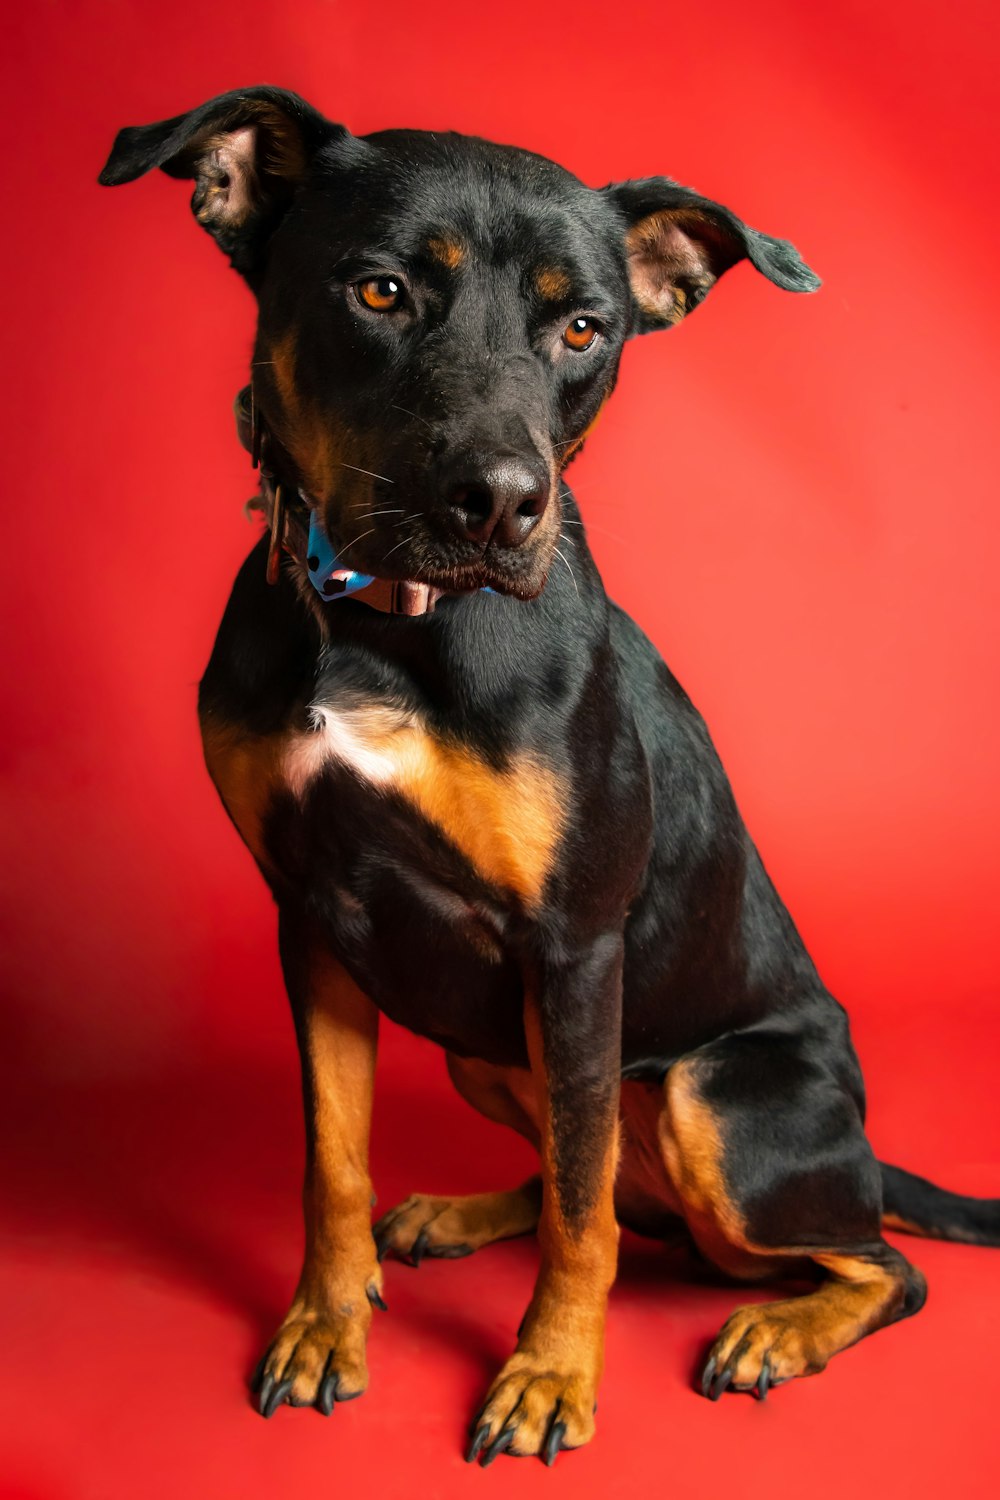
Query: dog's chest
{"points": [[506, 820]]}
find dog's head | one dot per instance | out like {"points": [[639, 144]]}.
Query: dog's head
{"points": [[440, 318]]}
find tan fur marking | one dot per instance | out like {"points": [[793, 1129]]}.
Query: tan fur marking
{"points": [[692, 1152], [506, 823], [505, 1095], [903, 1226], [282, 365], [449, 252], [246, 772], [307, 435], [341, 1030], [552, 283]]}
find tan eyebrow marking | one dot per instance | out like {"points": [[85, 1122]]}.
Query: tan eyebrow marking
{"points": [[552, 283], [449, 252]]}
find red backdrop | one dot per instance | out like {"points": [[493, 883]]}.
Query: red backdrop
{"points": [[815, 554]]}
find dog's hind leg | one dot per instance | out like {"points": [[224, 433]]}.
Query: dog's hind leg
{"points": [[434, 1226], [762, 1138]]}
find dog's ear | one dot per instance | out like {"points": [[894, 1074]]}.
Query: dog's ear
{"points": [[678, 244], [247, 151]]}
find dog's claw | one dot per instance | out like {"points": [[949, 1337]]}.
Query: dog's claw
{"points": [[276, 1393], [258, 1374], [764, 1378], [376, 1300], [706, 1376], [501, 1445], [418, 1249], [553, 1443], [326, 1396], [478, 1443], [721, 1383]]}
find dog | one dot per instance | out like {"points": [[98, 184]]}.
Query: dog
{"points": [[483, 805]]}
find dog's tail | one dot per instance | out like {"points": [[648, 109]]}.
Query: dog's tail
{"points": [[917, 1206]]}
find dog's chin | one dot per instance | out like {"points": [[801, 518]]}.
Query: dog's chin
{"points": [[525, 585], [516, 575]]}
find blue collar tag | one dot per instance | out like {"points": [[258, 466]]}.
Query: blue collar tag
{"points": [[329, 580]]}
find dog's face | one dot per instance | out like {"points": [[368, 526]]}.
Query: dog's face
{"points": [[440, 319]]}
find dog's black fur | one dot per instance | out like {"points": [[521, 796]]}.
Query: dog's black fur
{"points": [[518, 840]]}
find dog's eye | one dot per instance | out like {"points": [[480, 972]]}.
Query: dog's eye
{"points": [[581, 333], [380, 293]]}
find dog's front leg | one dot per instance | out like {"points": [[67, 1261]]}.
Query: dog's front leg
{"points": [[544, 1397], [318, 1354]]}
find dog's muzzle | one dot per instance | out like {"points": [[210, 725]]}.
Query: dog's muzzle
{"points": [[296, 530]]}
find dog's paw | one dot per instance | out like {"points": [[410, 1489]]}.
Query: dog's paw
{"points": [[759, 1347], [424, 1226], [452, 1227], [316, 1358], [533, 1410]]}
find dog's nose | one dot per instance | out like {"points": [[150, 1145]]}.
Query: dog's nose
{"points": [[498, 500]]}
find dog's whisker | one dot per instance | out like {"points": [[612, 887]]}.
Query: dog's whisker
{"points": [[370, 472], [401, 543], [390, 510], [566, 564], [406, 410], [593, 526], [355, 539]]}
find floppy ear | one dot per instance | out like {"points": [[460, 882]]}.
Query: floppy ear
{"points": [[678, 244], [247, 151]]}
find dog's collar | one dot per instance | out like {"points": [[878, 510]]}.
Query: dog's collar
{"points": [[295, 529]]}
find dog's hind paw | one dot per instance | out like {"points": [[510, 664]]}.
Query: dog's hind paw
{"points": [[448, 1228]]}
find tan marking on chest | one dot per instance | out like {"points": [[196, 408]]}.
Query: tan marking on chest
{"points": [[507, 822]]}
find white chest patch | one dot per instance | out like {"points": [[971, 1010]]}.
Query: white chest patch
{"points": [[370, 741]]}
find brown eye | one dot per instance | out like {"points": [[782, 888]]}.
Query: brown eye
{"points": [[580, 334], [380, 293]]}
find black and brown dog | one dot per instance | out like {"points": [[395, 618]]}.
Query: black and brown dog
{"points": [[483, 804]]}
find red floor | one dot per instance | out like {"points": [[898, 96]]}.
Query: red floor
{"points": [[156, 1233]]}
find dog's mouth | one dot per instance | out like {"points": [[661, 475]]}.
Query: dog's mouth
{"points": [[490, 574]]}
